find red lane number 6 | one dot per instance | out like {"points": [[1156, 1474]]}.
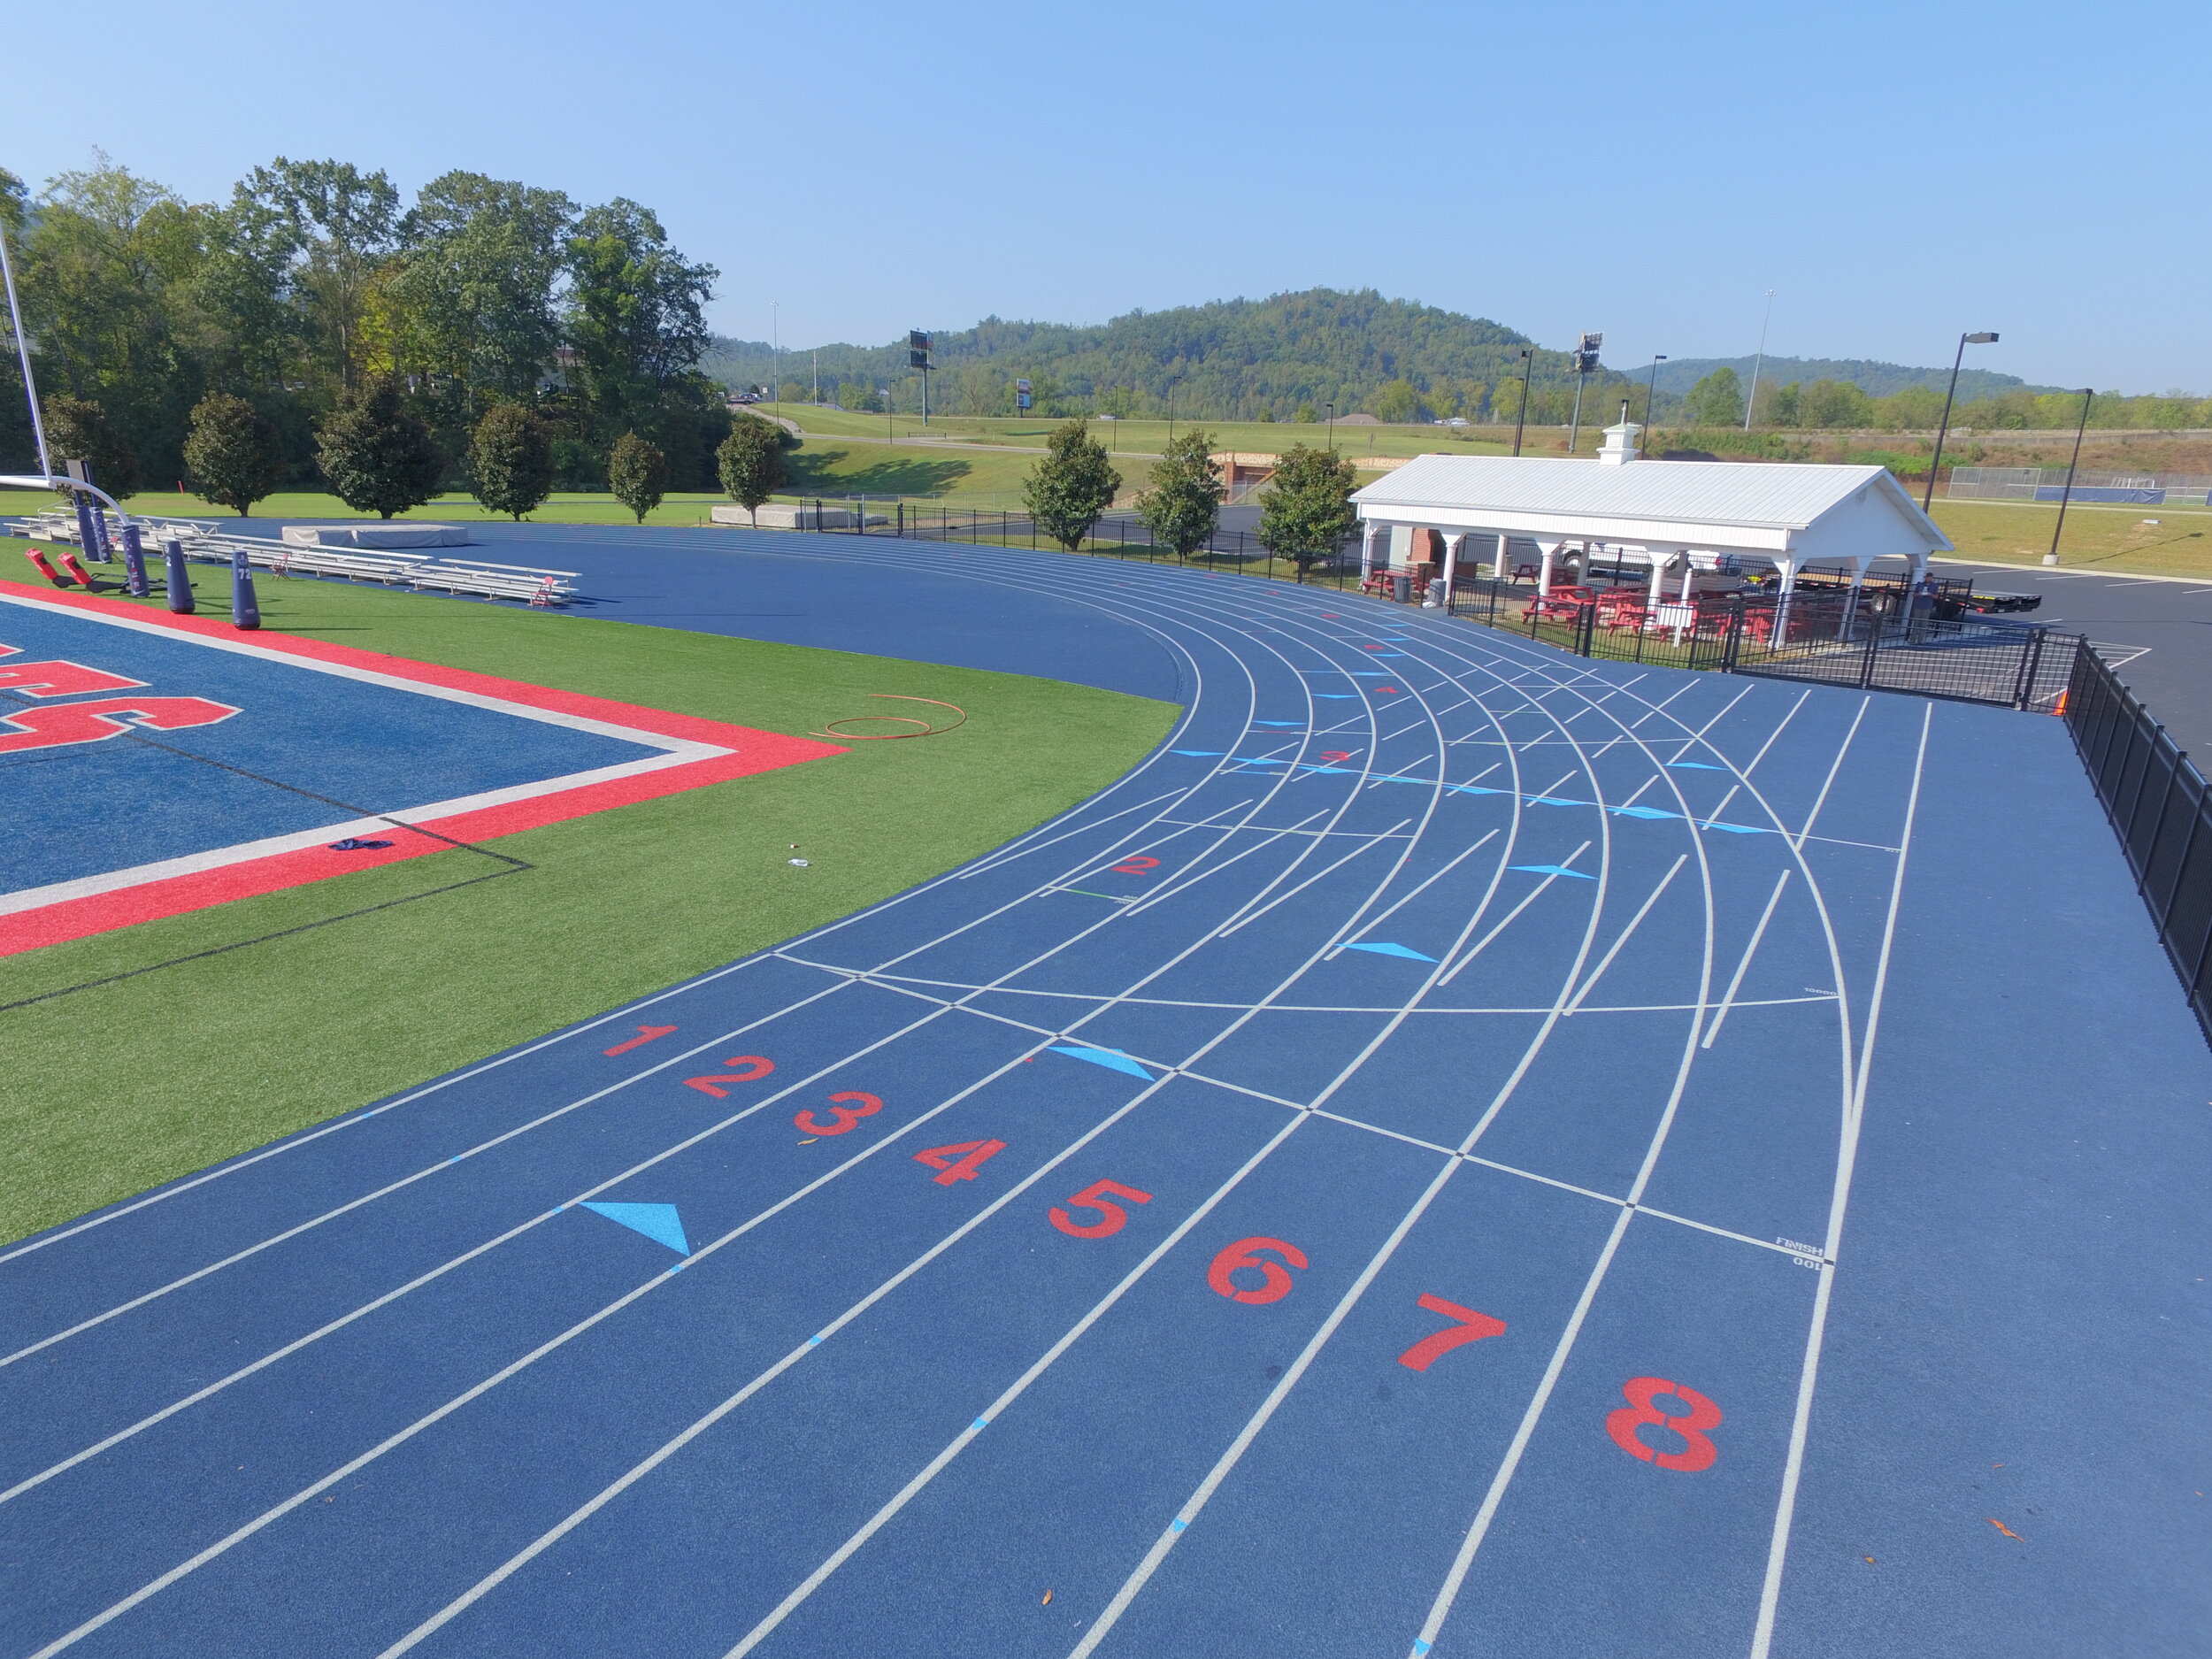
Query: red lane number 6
{"points": [[846, 1116], [1111, 1217], [1639, 1391], [1240, 1255]]}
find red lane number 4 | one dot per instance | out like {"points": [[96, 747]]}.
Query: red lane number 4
{"points": [[970, 1154], [1111, 1217], [1240, 1255], [1470, 1327], [1639, 1391], [846, 1116]]}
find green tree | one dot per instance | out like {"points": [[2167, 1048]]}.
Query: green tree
{"points": [[1075, 483], [751, 462], [1716, 400], [511, 459], [1775, 404], [1909, 409], [1836, 404], [376, 456], [77, 429], [330, 227], [1307, 413], [1307, 510], [1183, 506], [232, 452], [637, 472], [1395, 402], [634, 315]]}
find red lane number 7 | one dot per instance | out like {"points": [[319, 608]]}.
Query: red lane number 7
{"points": [[1111, 1217], [1471, 1327]]}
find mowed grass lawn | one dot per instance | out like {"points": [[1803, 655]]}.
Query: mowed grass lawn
{"points": [[116, 1087], [2096, 536]]}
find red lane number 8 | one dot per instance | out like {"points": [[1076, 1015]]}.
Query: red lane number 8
{"points": [[1240, 1256], [1639, 1391], [1111, 1217], [846, 1116]]}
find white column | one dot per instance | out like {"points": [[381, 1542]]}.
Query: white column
{"points": [[1451, 562], [1788, 567], [1859, 563], [1367, 551], [1543, 569], [1497, 570], [1662, 562], [1689, 570]]}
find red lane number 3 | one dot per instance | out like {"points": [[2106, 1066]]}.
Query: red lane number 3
{"points": [[1111, 1217], [1639, 1391], [1470, 1327], [1240, 1255], [846, 1116]]}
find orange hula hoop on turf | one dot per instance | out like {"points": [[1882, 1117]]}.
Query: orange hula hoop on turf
{"points": [[829, 727]]}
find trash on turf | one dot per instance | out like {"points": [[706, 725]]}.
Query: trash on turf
{"points": [[2000, 1527], [799, 861], [1047, 1600], [354, 844]]}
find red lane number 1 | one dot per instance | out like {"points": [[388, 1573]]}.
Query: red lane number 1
{"points": [[1639, 1391], [1470, 1327], [1240, 1255], [970, 1154], [1111, 1217]]}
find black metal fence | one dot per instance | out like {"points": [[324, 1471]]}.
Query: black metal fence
{"points": [[1871, 643], [2156, 800]]}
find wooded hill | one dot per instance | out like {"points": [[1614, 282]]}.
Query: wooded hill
{"points": [[1229, 360]]}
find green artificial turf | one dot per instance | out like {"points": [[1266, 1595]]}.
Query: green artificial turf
{"points": [[115, 1088]]}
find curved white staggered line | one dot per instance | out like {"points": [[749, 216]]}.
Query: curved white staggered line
{"points": [[241, 1534], [286, 1234]]}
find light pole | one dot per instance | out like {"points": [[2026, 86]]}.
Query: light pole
{"points": [[1170, 408], [1330, 408], [2067, 493], [1651, 392], [1758, 361], [1927, 497], [1528, 372]]}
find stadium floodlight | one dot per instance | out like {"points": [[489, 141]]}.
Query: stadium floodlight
{"points": [[2067, 495], [1021, 395], [1927, 497], [1585, 361], [917, 358], [1528, 373]]}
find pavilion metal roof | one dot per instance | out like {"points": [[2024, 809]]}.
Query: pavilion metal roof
{"points": [[1778, 495]]}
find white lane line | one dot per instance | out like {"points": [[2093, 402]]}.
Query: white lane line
{"points": [[1367, 843], [1423, 886], [1606, 961], [1534, 894], [1835, 766], [1801, 1425], [1735, 982]]}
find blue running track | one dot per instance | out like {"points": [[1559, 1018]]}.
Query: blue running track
{"points": [[1463, 1150]]}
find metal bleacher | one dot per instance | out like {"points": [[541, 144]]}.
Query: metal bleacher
{"points": [[204, 542]]}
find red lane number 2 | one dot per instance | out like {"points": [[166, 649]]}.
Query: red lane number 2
{"points": [[846, 1116], [1470, 1327], [1240, 1255], [1137, 863], [1111, 1217], [1639, 1391], [970, 1154], [756, 1067]]}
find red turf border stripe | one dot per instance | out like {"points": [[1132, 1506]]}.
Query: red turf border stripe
{"points": [[66, 919]]}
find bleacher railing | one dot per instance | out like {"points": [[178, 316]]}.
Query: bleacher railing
{"points": [[2156, 800]]}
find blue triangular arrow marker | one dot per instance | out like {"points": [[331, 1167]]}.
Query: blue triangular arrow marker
{"points": [[1335, 696], [1112, 1059], [1369, 674], [1344, 771], [1392, 950], [1545, 800], [1638, 811], [657, 1222], [1294, 723], [1737, 829], [1200, 752], [1696, 765], [1474, 789], [1259, 760], [1553, 870]]}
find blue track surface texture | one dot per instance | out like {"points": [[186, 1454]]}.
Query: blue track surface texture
{"points": [[1463, 1150]]}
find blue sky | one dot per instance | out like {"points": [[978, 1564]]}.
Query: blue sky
{"points": [[1898, 173]]}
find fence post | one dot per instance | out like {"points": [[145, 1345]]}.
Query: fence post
{"points": [[1586, 626], [2031, 659]]}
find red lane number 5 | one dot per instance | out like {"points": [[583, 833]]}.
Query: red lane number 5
{"points": [[846, 1116], [1111, 1217], [1240, 1255], [1639, 1391]]}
